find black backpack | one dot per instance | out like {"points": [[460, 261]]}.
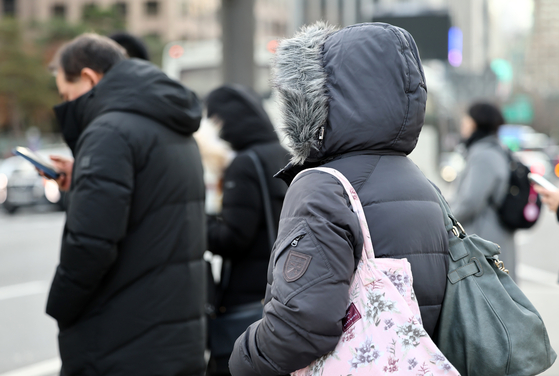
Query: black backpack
{"points": [[522, 205]]}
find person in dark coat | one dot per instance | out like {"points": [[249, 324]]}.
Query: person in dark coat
{"points": [[353, 100], [239, 234], [129, 291]]}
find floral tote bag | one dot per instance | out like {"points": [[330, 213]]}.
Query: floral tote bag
{"points": [[382, 330]]}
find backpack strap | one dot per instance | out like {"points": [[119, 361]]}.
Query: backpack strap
{"points": [[508, 154]]}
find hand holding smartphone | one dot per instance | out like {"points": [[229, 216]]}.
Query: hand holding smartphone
{"points": [[548, 192], [43, 166], [542, 182]]}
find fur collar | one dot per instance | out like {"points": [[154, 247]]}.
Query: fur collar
{"points": [[300, 80]]}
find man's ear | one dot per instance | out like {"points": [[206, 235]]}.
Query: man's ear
{"points": [[91, 76]]}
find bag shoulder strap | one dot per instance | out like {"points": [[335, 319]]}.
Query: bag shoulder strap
{"points": [[265, 198], [448, 217], [510, 160], [226, 266], [450, 221], [355, 204], [456, 249]]}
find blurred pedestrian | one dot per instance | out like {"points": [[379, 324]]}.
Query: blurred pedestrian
{"points": [[353, 100], [549, 198], [129, 291], [484, 182], [240, 233], [134, 46]]}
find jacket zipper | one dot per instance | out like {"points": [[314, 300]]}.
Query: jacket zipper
{"points": [[320, 137], [295, 241]]}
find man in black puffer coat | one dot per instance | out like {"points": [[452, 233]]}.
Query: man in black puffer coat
{"points": [[129, 291], [240, 233], [353, 100]]}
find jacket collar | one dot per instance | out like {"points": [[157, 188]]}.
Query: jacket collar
{"points": [[71, 118], [288, 173]]}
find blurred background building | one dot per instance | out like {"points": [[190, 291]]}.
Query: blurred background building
{"points": [[542, 58], [170, 19], [501, 50]]}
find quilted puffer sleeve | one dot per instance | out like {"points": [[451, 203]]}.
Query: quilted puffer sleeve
{"points": [[309, 274], [97, 218]]}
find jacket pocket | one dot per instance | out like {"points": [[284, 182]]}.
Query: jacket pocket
{"points": [[299, 262]]}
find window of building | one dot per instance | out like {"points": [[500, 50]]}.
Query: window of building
{"points": [[120, 9], [9, 7], [59, 11], [152, 8]]}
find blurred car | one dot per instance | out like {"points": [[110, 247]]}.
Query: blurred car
{"points": [[21, 185], [537, 161], [536, 150]]}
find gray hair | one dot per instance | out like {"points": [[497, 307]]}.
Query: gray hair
{"points": [[89, 50]]}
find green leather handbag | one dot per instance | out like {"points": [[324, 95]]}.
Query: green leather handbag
{"points": [[487, 326]]}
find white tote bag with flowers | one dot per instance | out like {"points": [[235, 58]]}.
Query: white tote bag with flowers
{"points": [[382, 330]]}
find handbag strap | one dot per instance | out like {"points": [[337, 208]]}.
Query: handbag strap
{"points": [[226, 266], [450, 222], [355, 204], [265, 198]]}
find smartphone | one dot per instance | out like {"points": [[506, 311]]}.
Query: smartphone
{"points": [[48, 169], [541, 181]]}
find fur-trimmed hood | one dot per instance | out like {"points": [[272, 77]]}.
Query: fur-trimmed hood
{"points": [[361, 88]]}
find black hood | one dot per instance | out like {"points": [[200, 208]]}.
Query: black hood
{"points": [[361, 88], [134, 86], [245, 121]]}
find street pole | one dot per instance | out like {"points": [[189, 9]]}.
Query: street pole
{"points": [[238, 26]]}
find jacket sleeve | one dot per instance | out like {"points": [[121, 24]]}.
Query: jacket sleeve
{"points": [[241, 215], [477, 187], [309, 275], [97, 218]]}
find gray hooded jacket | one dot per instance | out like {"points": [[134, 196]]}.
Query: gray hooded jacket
{"points": [[353, 100], [479, 189]]}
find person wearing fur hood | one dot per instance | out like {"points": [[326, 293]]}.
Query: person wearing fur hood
{"points": [[354, 100]]}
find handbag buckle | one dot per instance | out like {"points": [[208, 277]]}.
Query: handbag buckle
{"points": [[501, 266], [478, 264], [457, 229]]}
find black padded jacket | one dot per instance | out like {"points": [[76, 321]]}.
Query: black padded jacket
{"points": [[240, 232], [372, 111], [129, 291]]}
